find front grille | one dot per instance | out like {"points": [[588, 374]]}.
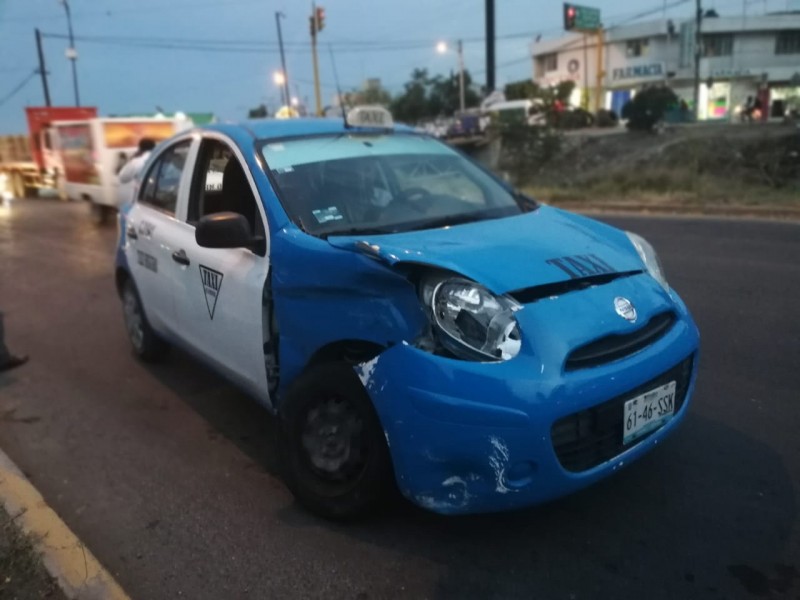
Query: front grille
{"points": [[614, 347], [590, 437]]}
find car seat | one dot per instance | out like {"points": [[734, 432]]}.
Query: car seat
{"points": [[237, 196]]}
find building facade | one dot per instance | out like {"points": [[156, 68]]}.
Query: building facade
{"points": [[741, 57]]}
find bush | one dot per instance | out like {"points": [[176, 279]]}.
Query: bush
{"points": [[575, 118], [648, 108], [606, 118], [525, 149]]}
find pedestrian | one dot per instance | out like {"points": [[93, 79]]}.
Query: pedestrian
{"points": [[747, 112], [132, 168], [8, 360]]}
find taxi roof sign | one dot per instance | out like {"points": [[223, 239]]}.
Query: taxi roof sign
{"points": [[370, 116]]}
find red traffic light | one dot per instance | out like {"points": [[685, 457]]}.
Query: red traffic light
{"points": [[570, 16], [320, 16]]}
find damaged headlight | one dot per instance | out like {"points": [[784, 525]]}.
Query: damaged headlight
{"points": [[473, 323], [649, 257]]}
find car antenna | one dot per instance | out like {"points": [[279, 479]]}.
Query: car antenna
{"points": [[338, 89]]}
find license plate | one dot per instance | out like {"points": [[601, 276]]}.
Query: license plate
{"points": [[647, 412]]}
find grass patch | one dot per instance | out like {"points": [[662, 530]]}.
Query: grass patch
{"points": [[735, 168], [22, 575]]}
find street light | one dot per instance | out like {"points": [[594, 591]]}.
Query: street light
{"points": [[278, 16], [279, 79], [441, 48], [71, 53]]}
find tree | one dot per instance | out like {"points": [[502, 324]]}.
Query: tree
{"points": [[522, 90], [259, 112], [445, 94], [648, 107], [412, 106], [426, 97]]}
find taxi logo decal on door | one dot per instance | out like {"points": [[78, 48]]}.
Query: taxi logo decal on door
{"points": [[212, 282]]}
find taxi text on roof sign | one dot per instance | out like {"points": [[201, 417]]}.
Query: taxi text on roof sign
{"points": [[370, 116]]}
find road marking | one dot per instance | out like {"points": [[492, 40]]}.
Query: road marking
{"points": [[75, 569]]}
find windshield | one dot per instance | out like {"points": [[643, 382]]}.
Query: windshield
{"points": [[351, 184]]}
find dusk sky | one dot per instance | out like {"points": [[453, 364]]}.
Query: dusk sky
{"points": [[219, 55]]}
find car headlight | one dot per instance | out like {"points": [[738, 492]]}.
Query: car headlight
{"points": [[473, 323], [649, 257]]}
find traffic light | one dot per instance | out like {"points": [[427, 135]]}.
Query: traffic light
{"points": [[312, 22], [320, 18], [570, 15]]}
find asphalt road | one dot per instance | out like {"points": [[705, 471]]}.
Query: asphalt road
{"points": [[167, 473]]}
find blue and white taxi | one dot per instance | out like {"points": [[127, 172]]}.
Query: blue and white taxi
{"points": [[415, 323]]}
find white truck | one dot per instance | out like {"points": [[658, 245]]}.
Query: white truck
{"points": [[93, 151]]}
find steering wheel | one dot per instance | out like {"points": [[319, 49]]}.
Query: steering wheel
{"points": [[419, 198]]}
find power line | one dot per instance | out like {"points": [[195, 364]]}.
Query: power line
{"points": [[651, 11], [18, 87]]}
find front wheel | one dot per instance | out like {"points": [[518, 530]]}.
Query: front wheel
{"points": [[335, 454], [145, 342]]}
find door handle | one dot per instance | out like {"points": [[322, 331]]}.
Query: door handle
{"points": [[131, 233], [179, 256]]}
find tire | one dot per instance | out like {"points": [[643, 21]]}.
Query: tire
{"points": [[100, 214], [334, 476], [146, 343]]}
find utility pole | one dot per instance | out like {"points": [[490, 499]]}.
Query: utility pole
{"points": [[585, 93], [489, 46], [600, 78], [461, 75], [71, 53], [288, 102], [42, 69], [317, 23], [698, 48]]}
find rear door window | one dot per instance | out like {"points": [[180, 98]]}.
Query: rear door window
{"points": [[160, 186]]}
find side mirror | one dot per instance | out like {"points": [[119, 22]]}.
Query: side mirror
{"points": [[225, 230]]}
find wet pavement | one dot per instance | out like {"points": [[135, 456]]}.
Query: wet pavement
{"points": [[168, 474]]}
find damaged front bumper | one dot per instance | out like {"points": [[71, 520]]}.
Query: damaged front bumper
{"points": [[470, 437]]}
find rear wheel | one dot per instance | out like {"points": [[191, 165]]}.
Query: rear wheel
{"points": [[145, 342], [100, 213], [336, 459]]}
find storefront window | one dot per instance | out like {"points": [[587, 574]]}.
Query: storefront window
{"points": [[715, 101]]}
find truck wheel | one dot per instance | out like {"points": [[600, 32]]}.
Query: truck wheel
{"points": [[100, 213], [335, 456], [146, 343]]}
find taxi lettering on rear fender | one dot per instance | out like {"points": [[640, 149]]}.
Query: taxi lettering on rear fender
{"points": [[316, 263]]}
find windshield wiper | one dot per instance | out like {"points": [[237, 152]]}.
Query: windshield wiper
{"points": [[355, 231], [452, 220], [527, 203]]}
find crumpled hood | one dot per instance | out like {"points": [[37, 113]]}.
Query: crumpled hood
{"points": [[538, 248]]}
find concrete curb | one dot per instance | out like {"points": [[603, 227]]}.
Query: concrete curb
{"points": [[77, 572]]}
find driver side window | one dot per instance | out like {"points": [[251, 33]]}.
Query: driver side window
{"points": [[220, 184]]}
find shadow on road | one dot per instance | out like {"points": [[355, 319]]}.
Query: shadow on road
{"points": [[707, 514]]}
